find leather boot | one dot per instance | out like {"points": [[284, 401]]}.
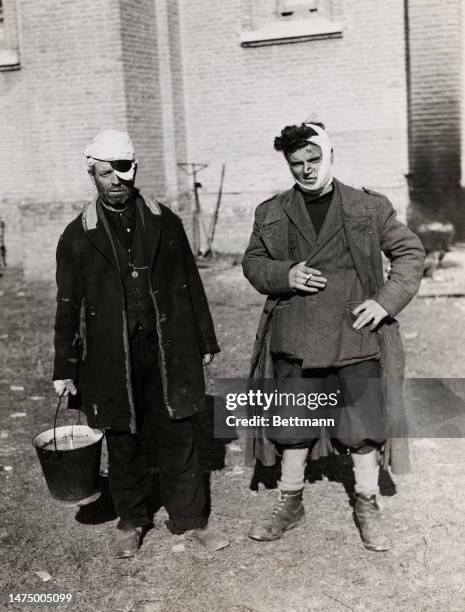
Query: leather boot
{"points": [[125, 542], [211, 539], [370, 523], [287, 513]]}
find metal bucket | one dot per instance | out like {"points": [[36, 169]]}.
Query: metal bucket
{"points": [[70, 461]]}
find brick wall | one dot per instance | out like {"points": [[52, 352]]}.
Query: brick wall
{"points": [[85, 67], [436, 69], [174, 74], [171, 87], [69, 87], [238, 99], [143, 96]]}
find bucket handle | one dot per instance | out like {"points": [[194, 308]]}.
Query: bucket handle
{"points": [[55, 421]]}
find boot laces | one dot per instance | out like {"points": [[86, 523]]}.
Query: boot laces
{"points": [[279, 504]]}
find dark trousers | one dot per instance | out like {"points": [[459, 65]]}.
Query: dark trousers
{"points": [[170, 441], [363, 419]]}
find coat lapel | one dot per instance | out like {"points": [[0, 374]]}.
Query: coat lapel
{"points": [[151, 228], [96, 233], [275, 228], [331, 225], [295, 209], [356, 222]]}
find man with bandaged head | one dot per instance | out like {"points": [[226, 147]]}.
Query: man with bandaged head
{"points": [[132, 333], [316, 251]]}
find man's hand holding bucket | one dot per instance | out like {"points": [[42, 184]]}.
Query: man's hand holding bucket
{"points": [[65, 387]]}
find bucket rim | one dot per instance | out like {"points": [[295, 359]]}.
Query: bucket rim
{"points": [[53, 431]]}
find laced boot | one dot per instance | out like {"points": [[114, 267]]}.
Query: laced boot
{"points": [[287, 513], [370, 523]]}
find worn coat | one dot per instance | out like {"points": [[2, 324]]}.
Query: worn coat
{"points": [[370, 227], [91, 335]]}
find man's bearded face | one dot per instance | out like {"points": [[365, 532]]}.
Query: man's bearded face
{"points": [[305, 163], [113, 190]]}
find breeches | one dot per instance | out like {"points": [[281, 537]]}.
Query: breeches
{"points": [[362, 419]]}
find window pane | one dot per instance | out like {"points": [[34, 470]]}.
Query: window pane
{"points": [[297, 7]]}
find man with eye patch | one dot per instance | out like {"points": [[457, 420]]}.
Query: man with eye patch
{"points": [[329, 318], [133, 331]]}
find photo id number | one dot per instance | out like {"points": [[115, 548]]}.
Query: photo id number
{"points": [[40, 598]]}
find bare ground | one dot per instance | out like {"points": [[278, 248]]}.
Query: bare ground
{"points": [[320, 566]]}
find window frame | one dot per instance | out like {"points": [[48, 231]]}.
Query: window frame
{"points": [[2, 23], [293, 28], [9, 57]]}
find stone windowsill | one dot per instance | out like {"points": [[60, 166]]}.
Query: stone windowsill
{"points": [[297, 30], [9, 60]]}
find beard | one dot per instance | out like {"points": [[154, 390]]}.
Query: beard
{"points": [[118, 198]]}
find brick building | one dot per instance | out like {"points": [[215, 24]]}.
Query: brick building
{"points": [[213, 82], [434, 35]]}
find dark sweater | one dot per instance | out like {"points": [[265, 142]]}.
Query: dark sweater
{"points": [[318, 207]]}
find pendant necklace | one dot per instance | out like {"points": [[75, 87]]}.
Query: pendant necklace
{"points": [[135, 273]]}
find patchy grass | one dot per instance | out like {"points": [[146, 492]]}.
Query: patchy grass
{"points": [[320, 566]]}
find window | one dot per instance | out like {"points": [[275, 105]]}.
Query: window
{"points": [[9, 56], [291, 21], [297, 8]]}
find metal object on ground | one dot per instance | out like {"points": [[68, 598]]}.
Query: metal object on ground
{"points": [[437, 240], [215, 214], [2, 245], [192, 169]]}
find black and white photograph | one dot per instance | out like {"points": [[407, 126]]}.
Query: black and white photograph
{"points": [[232, 305]]}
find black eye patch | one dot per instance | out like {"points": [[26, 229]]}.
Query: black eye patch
{"points": [[121, 165]]}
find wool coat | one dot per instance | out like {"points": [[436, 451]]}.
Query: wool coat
{"points": [[370, 228], [91, 327]]}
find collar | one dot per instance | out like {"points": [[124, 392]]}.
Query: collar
{"points": [[90, 217], [128, 209], [312, 198]]}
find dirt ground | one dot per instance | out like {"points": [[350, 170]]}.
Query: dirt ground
{"points": [[320, 566]]}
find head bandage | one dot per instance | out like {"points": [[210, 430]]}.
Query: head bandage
{"points": [[325, 177], [112, 146]]}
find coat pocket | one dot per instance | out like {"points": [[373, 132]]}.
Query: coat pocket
{"points": [[282, 330], [392, 358], [356, 343]]}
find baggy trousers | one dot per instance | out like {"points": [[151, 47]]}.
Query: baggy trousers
{"points": [[363, 421], [170, 441]]}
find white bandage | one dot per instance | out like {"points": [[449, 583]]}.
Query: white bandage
{"points": [[325, 176], [112, 146]]}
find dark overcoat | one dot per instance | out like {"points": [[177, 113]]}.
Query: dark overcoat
{"points": [[371, 228], [91, 331]]}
